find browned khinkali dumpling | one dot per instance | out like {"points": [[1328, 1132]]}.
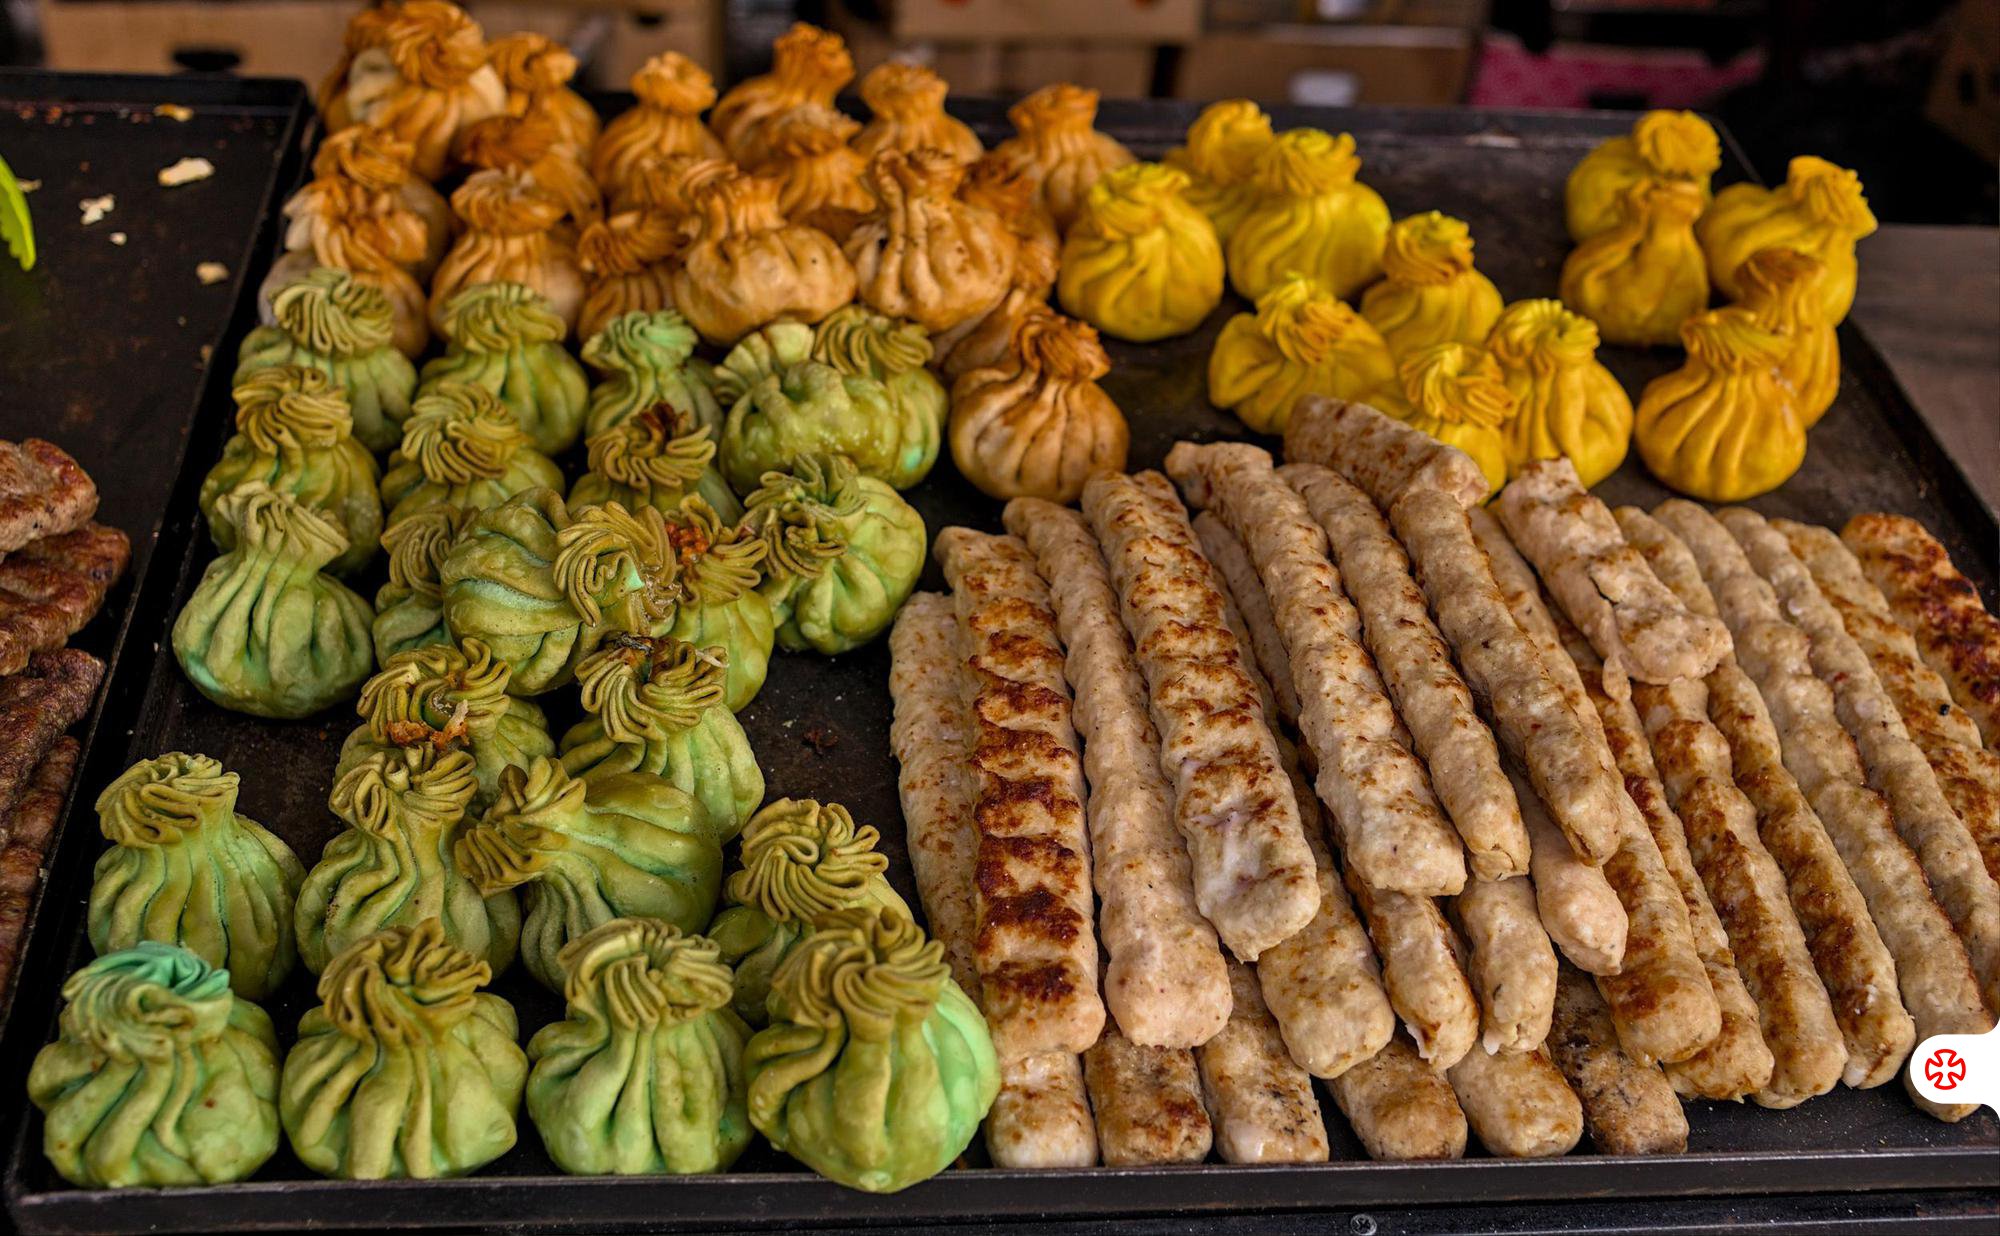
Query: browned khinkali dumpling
{"points": [[821, 179], [508, 238], [536, 70], [907, 101], [926, 255], [673, 92], [380, 163], [424, 81], [1057, 142], [747, 267], [535, 146], [1037, 424], [809, 65], [626, 261], [1008, 189], [333, 221]]}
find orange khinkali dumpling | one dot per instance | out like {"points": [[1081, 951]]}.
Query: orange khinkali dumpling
{"points": [[926, 255], [673, 92], [626, 266], [747, 267], [1663, 145], [536, 70], [380, 163], [1430, 293], [1640, 279], [1056, 142], [1009, 190], [809, 65], [509, 237], [822, 181], [669, 186], [425, 81], [534, 146], [1819, 210], [1221, 151], [332, 221], [908, 105], [1783, 288]]}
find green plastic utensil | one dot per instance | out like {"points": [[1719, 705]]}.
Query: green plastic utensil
{"points": [[17, 228]]}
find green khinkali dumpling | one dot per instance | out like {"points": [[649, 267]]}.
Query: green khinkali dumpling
{"points": [[648, 359], [265, 631], [785, 406], [406, 1070], [330, 321], [542, 586], [461, 446], [657, 457], [449, 696], [409, 609], [508, 339], [184, 868], [802, 862], [160, 1075], [863, 343], [393, 866], [655, 706], [624, 846], [845, 551], [645, 1074], [875, 1069], [720, 606], [294, 433]]}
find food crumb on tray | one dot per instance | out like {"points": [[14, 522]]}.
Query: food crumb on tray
{"points": [[211, 272], [95, 208], [174, 111], [118, 238], [186, 171]]}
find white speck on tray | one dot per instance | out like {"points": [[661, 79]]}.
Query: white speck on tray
{"points": [[29, 186], [186, 171], [118, 238], [95, 208], [211, 272]]}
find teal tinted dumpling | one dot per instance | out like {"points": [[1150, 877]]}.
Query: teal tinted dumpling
{"points": [[657, 457], [844, 553], [508, 340], [294, 433], [657, 707], [784, 406], [265, 632], [647, 359], [185, 869], [330, 321], [160, 1075], [721, 566], [644, 1076], [875, 1069], [406, 1070], [542, 586], [623, 846], [862, 343], [393, 865], [409, 609], [462, 447]]}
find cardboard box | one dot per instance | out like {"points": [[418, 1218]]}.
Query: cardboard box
{"points": [[1459, 14], [969, 68], [1114, 70], [300, 38], [1965, 93], [1044, 21], [1328, 65]]}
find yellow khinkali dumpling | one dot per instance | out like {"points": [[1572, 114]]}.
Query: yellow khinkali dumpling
{"points": [[1458, 395], [908, 105], [1663, 145], [809, 65], [673, 92], [1313, 218], [1566, 403], [508, 239], [1055, 140], [1432, 294], [1722, 427], [926, 255], [1641, 279], [1819, 210], [1782, 287], [1140, 263], [1302, 340], [747, 267], [1222, 148]]}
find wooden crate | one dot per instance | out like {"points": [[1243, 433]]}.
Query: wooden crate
{"points": [[1329, 65]]}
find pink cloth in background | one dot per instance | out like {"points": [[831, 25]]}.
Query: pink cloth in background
{"points": [[1508, 75]]}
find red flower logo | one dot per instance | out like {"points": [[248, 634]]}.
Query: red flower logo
{"points": [[1944, 1069]]}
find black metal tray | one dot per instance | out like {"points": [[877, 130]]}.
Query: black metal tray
{"points": [[820, 728], [105, 346]]}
